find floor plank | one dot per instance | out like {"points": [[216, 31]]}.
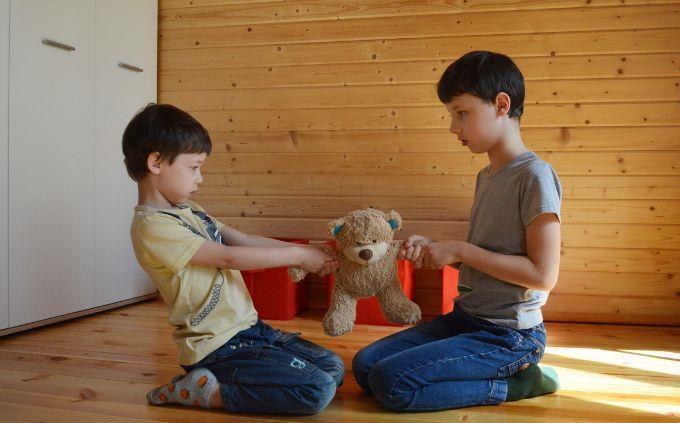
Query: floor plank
{"points": [[98, 368]]}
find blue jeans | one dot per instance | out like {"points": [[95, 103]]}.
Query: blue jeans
{"points": [[453, 361], [265, 370]]}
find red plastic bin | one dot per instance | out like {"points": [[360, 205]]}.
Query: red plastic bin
{"points": [[274, 295], [437, 289], [449, 277]]}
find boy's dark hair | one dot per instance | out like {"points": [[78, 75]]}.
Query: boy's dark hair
{"points": [[484, 74], [165, 129]]}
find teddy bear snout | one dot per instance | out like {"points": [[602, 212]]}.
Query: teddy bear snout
{"points": [[366, 254]]}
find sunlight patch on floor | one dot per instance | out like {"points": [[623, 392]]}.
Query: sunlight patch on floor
{"points": [[650, 405], [642, 360], [661, 354], [597, 381]]}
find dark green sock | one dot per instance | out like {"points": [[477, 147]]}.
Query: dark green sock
{"points": [[532, 382]]}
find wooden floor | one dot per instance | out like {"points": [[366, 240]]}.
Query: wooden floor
{"points": [[98, 369]]}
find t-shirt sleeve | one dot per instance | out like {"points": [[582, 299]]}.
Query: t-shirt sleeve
{"points": [[542, 193], [167, 243]]}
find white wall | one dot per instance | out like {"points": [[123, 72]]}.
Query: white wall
{"points": [[4, 101]]}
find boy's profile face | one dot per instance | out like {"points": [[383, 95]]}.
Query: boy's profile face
{"points": [[179, 181], [475, 122]]}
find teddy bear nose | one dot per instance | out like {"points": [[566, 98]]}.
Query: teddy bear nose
{"points": [[366, 254]]}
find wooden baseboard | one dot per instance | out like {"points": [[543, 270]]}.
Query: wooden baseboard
{"points": [[74, 315]]}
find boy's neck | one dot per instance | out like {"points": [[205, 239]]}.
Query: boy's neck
{"points": [[506, 149], [148, 195]]}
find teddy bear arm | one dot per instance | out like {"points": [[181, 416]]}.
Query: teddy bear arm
{"points": [[296, 274], [395, 245]]}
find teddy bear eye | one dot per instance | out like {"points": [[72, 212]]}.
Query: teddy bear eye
{"points": [[358, 243], [375, 240]]}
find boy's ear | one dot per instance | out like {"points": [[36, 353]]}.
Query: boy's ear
{"points": [[335, 227], [394, 219], [503, 103], [153, 162]]}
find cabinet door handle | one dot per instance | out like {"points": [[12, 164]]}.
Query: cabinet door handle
{"points": [[57, 44], [130, 67]]}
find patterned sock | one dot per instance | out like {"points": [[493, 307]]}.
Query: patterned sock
{"points": [[193, 389], [532, 382]]}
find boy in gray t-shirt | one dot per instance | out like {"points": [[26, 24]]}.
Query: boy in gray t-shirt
{"points": [[506, 203], [486, 351]]}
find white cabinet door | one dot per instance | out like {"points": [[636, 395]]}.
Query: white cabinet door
{"points": [[51, 159], [4, 81], [125, 81]]}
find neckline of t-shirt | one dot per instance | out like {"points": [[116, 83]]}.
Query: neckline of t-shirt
{"points": [[182, 208], [511, 163]]}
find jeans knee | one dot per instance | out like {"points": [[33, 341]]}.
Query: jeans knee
{"points": [[336, 368], [385, 388], [321, 395], [360, 369]]}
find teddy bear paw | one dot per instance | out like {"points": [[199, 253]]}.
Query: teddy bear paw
{"points": [[296, 274], [407, 313], [335, 326], [414, 315]]}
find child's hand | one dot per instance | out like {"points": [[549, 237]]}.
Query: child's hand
{"points": [[439, 254], [331, 265], [318, 260], [413, 248]]}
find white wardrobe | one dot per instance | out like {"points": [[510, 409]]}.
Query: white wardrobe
{"points": [[72, 74]]}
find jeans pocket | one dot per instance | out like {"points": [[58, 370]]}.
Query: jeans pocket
{"points": [[536, 338], [512, 368], [512, 338], [303, 347]]}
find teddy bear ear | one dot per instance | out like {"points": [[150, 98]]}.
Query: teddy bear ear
{"points": [[394, 219], [335, 227]]}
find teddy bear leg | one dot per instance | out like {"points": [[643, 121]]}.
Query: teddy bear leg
{"points": [[340, 316], [396, 306]]}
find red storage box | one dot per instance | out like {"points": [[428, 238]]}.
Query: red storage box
{"points": [[449, 290], [368, 309], [436, 290], [274, 295], [249, 279]]}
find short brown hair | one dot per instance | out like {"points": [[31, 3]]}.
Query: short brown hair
{"points": [[165, 129], [484, 74]]}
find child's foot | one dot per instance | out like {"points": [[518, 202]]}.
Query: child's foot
{"points": [[532, 382], [195, 388]]}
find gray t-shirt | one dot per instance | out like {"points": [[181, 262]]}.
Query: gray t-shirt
{"points": [[504, 205]]}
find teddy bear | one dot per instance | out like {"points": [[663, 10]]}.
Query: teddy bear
{"points": [[367, 256]]}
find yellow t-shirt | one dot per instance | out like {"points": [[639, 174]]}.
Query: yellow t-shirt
{"points": [[206, 305]]}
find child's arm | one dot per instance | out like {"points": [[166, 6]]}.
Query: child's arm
{"points": [[233, 236], [310, 259], [537, 270]]}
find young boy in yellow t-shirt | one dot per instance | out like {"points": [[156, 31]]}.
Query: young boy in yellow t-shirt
{"points": [[233, 359]]}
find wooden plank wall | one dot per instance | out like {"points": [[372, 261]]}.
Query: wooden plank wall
{"points": [[320, 107]]}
